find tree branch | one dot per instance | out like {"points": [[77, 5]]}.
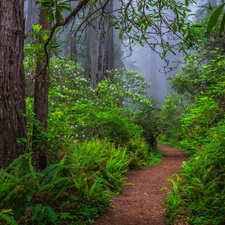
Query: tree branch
{"points": [[80, 5]]}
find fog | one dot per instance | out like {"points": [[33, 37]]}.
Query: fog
{"points": [[143, 59], [149, 63]]}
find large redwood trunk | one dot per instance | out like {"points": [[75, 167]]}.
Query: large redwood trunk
{"points": [[12, 80]]}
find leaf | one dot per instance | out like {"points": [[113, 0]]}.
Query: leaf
{"points": [[37, 208], [214, 18], [36, 27], [67, 8], [44, 1], [50, 212], [52, 46], [222, 25], [121, 34], [129, 29], [58, 15], [197, 25], [51, 16], [7, 216], [65, 215], [140, 8]]}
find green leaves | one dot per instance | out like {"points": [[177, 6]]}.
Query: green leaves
{"points": [[199, 195], [222, 25], [36, 27], [56, 9], [200, 187], [214, 19], [6, 215]]}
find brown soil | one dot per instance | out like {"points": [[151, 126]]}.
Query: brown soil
{"points": [[140, 202]]}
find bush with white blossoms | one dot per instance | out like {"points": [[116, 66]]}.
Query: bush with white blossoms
{"points": [[113, 110]]}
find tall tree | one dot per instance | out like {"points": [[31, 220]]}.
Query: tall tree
{"points": [[42, 79], [12, 80], [100, 44], [41, 98]]}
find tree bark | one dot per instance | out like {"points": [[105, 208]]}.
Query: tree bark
{"points": [[12, 80], [41, 102]]}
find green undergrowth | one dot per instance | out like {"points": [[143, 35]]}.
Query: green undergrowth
{"points": [[76, 189], [199, 193], [193, 119], [95, 135]]}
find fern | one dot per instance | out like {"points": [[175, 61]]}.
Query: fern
{"points": [[50, 214], [36, 209], [7, 216], [19, 165]]}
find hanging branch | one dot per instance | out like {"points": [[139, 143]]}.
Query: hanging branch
{"points": [[80, 5]]}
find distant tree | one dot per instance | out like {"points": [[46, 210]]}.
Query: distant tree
{"points": [[31, 15], [100, 44], [12, 81], [133, 20], [138, 21]]}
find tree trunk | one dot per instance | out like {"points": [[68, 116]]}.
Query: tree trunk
{"points": [[31, 17], [118, 47], [41, 102], [100, 48], [12, 81], [71, 48]]}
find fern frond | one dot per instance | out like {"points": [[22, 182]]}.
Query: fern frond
{"points": [[36, 209], [50, 214], [7, 216]]}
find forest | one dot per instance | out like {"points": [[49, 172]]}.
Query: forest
{"points": [[75, 119]]}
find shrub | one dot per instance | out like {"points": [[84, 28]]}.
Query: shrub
{"points": [[170, 119], [199, 193], [76, 188]]}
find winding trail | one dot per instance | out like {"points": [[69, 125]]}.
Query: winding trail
{"points": [[140, 202]]}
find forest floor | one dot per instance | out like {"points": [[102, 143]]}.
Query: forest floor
{"points": [[141, 200]]}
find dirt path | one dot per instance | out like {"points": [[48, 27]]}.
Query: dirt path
{"points": [[140, 203]]}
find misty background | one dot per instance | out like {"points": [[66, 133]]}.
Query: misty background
{"points": [[142, 59]]}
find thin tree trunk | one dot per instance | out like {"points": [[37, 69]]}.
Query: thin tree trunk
{"points": [[41, 103], [31, 17], [12, 81], [100, 48], [71, 48]]}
